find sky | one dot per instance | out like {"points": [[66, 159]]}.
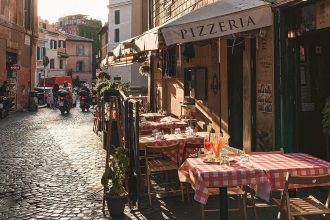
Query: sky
{"points": [[53, 9]]}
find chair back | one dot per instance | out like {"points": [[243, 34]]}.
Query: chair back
{"points": [[281, 151], [190, 147], [145, 132], [308, 180], [305, 181]]}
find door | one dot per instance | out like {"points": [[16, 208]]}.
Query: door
{"points": [[235, 91], [314, 89]]}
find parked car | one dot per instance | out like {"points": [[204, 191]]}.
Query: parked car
{"points": [[44, 94]]}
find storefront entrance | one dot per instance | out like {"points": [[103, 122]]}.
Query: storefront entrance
{"points": [[313, 89], [235, 91]]}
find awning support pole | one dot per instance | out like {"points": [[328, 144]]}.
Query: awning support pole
{"points": [[219, 59]]}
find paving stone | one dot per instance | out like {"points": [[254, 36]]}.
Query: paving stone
{"points": [[51, 164]]}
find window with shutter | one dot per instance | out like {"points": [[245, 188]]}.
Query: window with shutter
{"points": [[59, 44], [51, 44], [51, 64], [61, 64], [55, 44], [117, 16], [38, 53], [79, 66], [64, 44], [116, 35]]}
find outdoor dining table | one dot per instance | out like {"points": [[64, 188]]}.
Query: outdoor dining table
{"points": [[169, 139], [262, 169], [152, 116], [152, 125]]}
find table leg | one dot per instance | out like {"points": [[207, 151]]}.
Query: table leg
{"points": [[223, 198]]}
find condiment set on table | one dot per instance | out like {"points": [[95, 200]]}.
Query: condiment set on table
{"points": [[214, 154]]}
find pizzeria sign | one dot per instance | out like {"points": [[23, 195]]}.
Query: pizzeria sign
{"points": [[218, 26]]}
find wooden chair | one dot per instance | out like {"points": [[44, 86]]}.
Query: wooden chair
{"points": [[250, 190], [291, 207], [146, 132], [157, 163]]}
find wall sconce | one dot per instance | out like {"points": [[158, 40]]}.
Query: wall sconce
{"points": [[292, 34]]}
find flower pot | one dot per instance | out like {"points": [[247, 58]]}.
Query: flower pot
{"points": [[116, 204]]}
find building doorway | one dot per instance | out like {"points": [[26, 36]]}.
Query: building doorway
{"points": [[235, 91], [313, 89]]}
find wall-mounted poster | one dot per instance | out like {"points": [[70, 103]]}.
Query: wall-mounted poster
{"points": [[265, 97]]}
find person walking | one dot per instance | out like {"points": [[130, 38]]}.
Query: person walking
{"points": [[56, 87]]}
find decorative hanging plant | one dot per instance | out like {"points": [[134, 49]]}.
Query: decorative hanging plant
{"points": [[144, 68]]}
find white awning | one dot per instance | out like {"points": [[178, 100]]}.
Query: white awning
{"points": [[221, 18], [104, 63], [149, 40], [122, 47]]}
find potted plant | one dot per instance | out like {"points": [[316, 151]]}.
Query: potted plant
{"points": [[113, 180], [326, 123]]}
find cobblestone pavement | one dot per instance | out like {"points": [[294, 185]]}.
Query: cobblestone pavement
{"points": [[50, 168]]}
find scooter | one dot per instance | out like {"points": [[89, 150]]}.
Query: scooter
{"points": [[5, 106], [94, 99], [63, 103], [84, 103]]}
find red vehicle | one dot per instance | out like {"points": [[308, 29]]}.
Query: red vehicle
{"points": [[50, 81]]}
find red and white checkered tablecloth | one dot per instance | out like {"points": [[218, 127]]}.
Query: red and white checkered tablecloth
{"points": [[298, 164], [152, 116], [203, 175], [265, 169], [170, 139], [152, 125]]}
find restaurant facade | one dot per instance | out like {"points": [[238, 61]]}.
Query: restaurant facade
{"points": [[302, 77], [221, 55], [256, 71]]}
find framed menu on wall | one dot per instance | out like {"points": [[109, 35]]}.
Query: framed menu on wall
{"points": [[265, 97]]}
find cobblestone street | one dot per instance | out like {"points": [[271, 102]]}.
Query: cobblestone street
{"points": [[51, 165]]}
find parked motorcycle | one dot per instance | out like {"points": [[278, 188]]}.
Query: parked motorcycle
{"points": [[63, 101], [5, 106]]}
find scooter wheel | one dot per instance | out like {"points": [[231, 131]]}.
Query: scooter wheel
{"points": [[62, 112]]}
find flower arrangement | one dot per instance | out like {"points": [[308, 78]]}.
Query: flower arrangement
{"points": [[144, 68]]}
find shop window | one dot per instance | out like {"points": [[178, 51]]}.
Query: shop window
{"points": [[195, 83], [169, 62]]}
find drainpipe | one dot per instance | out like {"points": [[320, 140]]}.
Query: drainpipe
{"points": [[149, 14], [31, 42]]}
